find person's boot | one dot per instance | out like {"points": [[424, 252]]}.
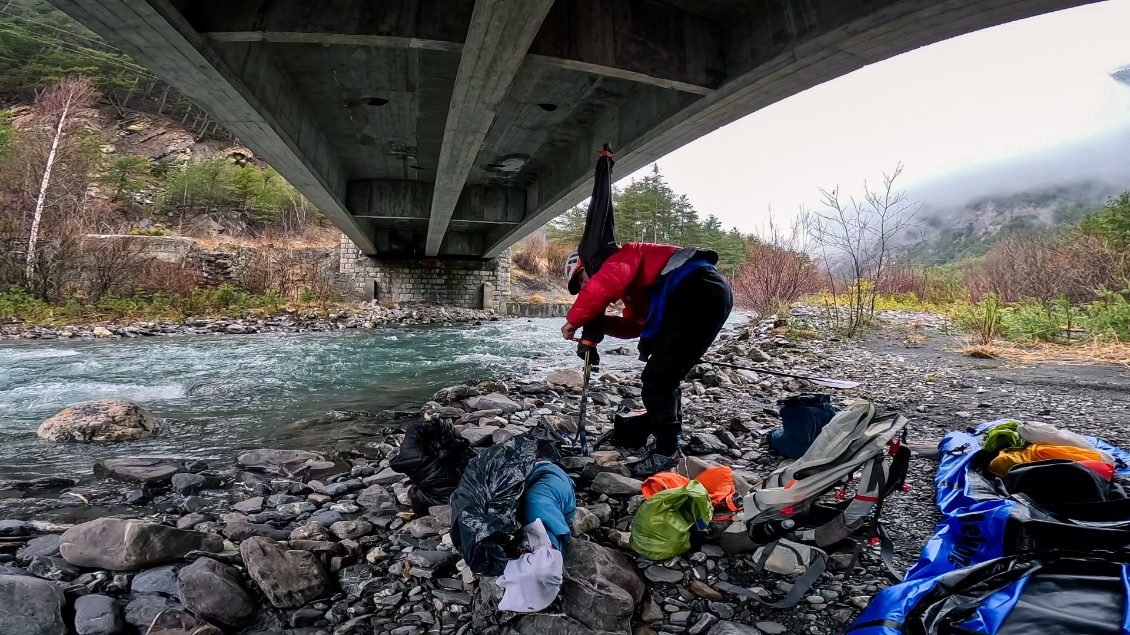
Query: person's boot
{"points": [[654, 463]]}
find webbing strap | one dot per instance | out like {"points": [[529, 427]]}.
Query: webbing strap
{"points": [[800, 586]]}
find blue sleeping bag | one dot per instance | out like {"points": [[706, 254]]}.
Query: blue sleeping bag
{"points": [[997, 564]]}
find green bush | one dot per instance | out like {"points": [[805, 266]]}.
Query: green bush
{"points": [[982, 319], [1034, 321], [16, 301], [1109, 316]]}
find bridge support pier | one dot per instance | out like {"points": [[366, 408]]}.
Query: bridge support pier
{"points": [[470, 283]]}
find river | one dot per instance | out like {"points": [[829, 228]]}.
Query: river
{"points": [[216, 395]]}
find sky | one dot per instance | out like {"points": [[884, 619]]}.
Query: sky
{"points": [[1004, 109]]}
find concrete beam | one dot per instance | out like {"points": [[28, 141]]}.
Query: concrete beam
{"points": [[772, 53], [390, 199], [497, 40], [250, 96]]}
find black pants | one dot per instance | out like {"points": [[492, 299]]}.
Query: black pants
{"points": [[693, 316]]}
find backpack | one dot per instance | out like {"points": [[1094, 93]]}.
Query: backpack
{"points": [[783, 512]]}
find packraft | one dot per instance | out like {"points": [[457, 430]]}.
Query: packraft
{"points": [[1043, 549], [789, 525]]}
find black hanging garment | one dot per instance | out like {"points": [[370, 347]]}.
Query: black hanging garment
{"points": [[598, 241]]}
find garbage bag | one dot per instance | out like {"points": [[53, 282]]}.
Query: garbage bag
{"points": [[1003, 437], [802, 419], [662, 526], [484, 506], [433, 455]]}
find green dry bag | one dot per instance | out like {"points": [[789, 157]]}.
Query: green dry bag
{"points": [[662, 526]]}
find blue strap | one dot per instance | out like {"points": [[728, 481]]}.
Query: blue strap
{"points": [[659, 296]]}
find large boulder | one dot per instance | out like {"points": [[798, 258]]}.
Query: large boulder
{"points": [[288, 578], [30, 607], [601, 587], [212, 590], [147, 471], [565, 378], [129, 545], [494, 401], [97, 615], [100, 420]]}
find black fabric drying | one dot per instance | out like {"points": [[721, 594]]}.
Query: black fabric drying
{"points": [[433, 455], [598, 241], [484, 506]]}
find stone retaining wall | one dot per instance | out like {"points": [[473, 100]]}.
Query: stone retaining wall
{"points": [[473, 284], [544, 310]]}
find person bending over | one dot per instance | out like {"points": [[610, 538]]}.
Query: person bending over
{"points": [[675, 301]]}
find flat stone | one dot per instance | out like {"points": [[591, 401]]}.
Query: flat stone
{"points": [[162, 580], [426, 526], [769, 628], [494, 401], [287, 463], [191, 520], [432, 559], [310, 531], [250, 506], [615, 484], [374, 497], [238, 532], [151, 472], [704, 591], [387, 476], [326, 519], [14, 528], [46, 546], [129, 545], [97, 615], [189, 484], [660, 573], [705, 621]]}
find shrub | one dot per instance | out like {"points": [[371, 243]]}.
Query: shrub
{"points": [[530, 257], [556, 253], [982, 319], [773, 276], [1109, 316], [1034, 321]]}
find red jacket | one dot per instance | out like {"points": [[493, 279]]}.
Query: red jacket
{"points": [[626, 275]]}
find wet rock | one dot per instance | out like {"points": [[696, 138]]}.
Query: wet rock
{"points": [[97, 615], [141, 611], [252, 505], [191, 520], [99, 420], [174, 622], [601, 587], [129, 545], [769, 628], [283, 462], [30, 607], [288, 578], [615, 484], [660, 573], [151, 472], [158, 580], [191, 484], [46, 546], [326, 519], [705, 621], [734, 628], [212, 590], [52, 568], [387, 476], [11, 528]]}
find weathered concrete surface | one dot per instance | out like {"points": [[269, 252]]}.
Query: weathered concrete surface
{"points": [[453, 128]]}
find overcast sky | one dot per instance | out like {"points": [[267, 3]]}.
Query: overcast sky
{"points": [[1002, 108]]}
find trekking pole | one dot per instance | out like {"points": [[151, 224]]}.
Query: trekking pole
{"points": [[822, 381], [584, 405]]}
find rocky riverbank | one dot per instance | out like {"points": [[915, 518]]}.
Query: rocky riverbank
{"points": [[313, 543], [368, 316]]}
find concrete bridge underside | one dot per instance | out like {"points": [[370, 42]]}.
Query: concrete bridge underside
{"points": [[453, 128]]}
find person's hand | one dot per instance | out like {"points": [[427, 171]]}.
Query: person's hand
{"points": [[568, 331]]}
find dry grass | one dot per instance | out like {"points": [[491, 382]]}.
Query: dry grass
{"points": [[1091, 352]]}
